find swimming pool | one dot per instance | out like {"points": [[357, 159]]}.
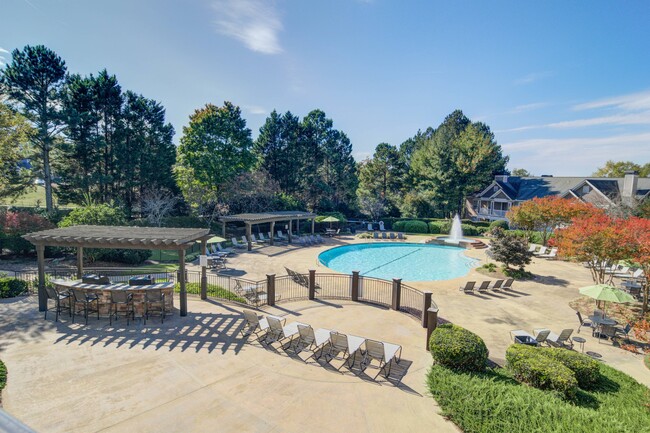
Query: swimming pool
{"points": [[410, 262]]}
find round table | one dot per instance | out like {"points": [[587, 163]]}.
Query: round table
{"points": [[581, 341], [599, 321]]}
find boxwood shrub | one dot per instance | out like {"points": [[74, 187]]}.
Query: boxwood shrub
{"points": [[457, 348], [411, 226], [503, 224], [535, 368], [585, 369], [10, 287]]}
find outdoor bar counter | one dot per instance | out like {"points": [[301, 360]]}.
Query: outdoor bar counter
{"points": [[103, 291]]}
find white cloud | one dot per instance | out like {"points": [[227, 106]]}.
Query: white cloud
{"points": [[533, 77], [361, 156], [630, 102], [255, 109], [255, 23], [2, 50], [528, 107]]}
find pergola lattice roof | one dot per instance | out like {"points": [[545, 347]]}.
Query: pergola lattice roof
{"points": [[159, 238], [258, 218]]}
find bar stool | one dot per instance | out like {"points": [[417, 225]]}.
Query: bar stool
{"points": [[59, 298], [90, 302], [154, 300], [121, 298]]}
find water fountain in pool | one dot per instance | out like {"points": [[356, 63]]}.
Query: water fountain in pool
{"points": [[456, 233]]}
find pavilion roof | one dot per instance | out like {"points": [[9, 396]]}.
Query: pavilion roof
{"points": [[258, 218], [129, 237]]}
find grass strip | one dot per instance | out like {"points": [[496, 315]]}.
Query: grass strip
{"points": [[214, 291]]}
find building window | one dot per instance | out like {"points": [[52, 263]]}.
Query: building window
{"points": [[585, 189], [496, 188]]}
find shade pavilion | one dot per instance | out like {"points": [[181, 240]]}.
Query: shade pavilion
{"points": [[119, 237]]}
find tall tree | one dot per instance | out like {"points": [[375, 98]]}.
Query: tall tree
{"points": [[382, 177], [33, 81], [15, 177], [458, 158], [521, 172], [618, 168], [216, 146]]}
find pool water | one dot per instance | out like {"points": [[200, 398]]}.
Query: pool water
{"points": [[410, 262]]}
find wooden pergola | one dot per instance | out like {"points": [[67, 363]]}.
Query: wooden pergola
{"points": [[268, 217], [119, 237]]}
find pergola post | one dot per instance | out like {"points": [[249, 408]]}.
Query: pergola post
{"points": [[181, 281], [313, 221], [289, 232], [298, 227], [223, 229], [248, 236], [80, 262], [204, 276], [272, 231], [42, 295]]}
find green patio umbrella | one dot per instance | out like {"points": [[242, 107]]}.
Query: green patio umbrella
{"points": [[330, 219], [606, 293], [214, 240]]}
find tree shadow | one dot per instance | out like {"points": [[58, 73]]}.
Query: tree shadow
{"points": [[550, 280]]}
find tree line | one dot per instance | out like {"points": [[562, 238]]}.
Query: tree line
{"points": [[93, 141]]}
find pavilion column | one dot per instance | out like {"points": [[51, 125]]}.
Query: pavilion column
{"points": [[204, 276], [248, 236], [313, 221], [298, 227], [80, 262], [223, 229], [272, 231], [181, 281], [42, 295], [290, 229]]}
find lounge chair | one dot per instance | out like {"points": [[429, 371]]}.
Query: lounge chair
{"points": [[311, 340], [384, 236], [375, 236], [213, 252], [485, 285], [519, 336], [261, 240], [245, 241], [237, 244], [468, 287], [370, 227], [542, 250], [282, 236], [508, 284], [228, 251], [254, 325], [384, 353], [562, 340], [625, 331], [349, 346], [279, 332], [636, 275], [532, 248], [250, 293], [582, 321], [619, 270], [400, 235], [392, 236], [551, 255], [625, 273], [497, 285]]}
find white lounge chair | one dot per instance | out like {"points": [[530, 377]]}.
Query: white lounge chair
{"points": [[551, 255], [384, 353], [348, 346], [542, 250], [532, 248], [311, 340], [278, 332], [237, 244], [282, 236], [228, 251], [254, 325]]}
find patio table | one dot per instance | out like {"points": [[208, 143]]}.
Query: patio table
{"points": [[599, 321]]}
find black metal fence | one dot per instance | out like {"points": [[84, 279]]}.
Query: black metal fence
{"points": [[273, 289]]}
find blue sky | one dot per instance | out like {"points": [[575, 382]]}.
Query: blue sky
{"points": [[564, 85]]}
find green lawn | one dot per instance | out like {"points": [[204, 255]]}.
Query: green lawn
{"points": [[214, 291], [31, 198], [172, 255], [494, 402]]}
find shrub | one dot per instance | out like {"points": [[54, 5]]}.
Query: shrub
{"points": [[586, 370], [533, 367], [411, 226], [94, 214], [3, 376], [130, 257], [503, 224], [10, 287], [434, 227], [458, 348], [532, 237], [338, 215], [510, 250], [15, 224]]}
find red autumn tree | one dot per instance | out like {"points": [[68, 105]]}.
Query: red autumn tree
{"points": [[637, 232], [547, 213], [596, 239]]}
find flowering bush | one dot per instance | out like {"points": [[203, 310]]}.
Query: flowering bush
{"points": [[15, 224]]}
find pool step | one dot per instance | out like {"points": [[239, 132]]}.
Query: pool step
{"points": [[479, 245]]}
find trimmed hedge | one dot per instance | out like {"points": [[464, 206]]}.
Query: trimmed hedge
{"points": [[411, 226], [457, 348], [3, 376], [586, 370], [535, 368], [11, 287], [500, 223]]}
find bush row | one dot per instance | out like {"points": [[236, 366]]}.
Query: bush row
{"points": [[552, 368], [457, 348], [10, 287]]}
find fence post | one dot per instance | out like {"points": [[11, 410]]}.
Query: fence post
{"points": [[397, 293], [270, 289], [312, 284], [425, 307], [432, 322], [355, 286]]}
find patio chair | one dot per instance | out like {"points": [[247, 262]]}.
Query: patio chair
{"points": [[608, 331], [338, 345], [485, 285], [260, 241], [384, 353], [223, 250], [624, 274], [237, 244], [245, 241], [392, 236], [519, 336], [61, 301], [311, 340], [625, 331], [282, 236], [400, 235], [532, 248], [384, 236], [562, 340], [617, 270], [468, 287], [370, 227], [154, 302], [279, 332], [375, 236], [497, 285], [90, 302], [254, 325], [508, 284], [121, 299], [582, 321], [276, 238], [250, 293], [542, 250]]}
